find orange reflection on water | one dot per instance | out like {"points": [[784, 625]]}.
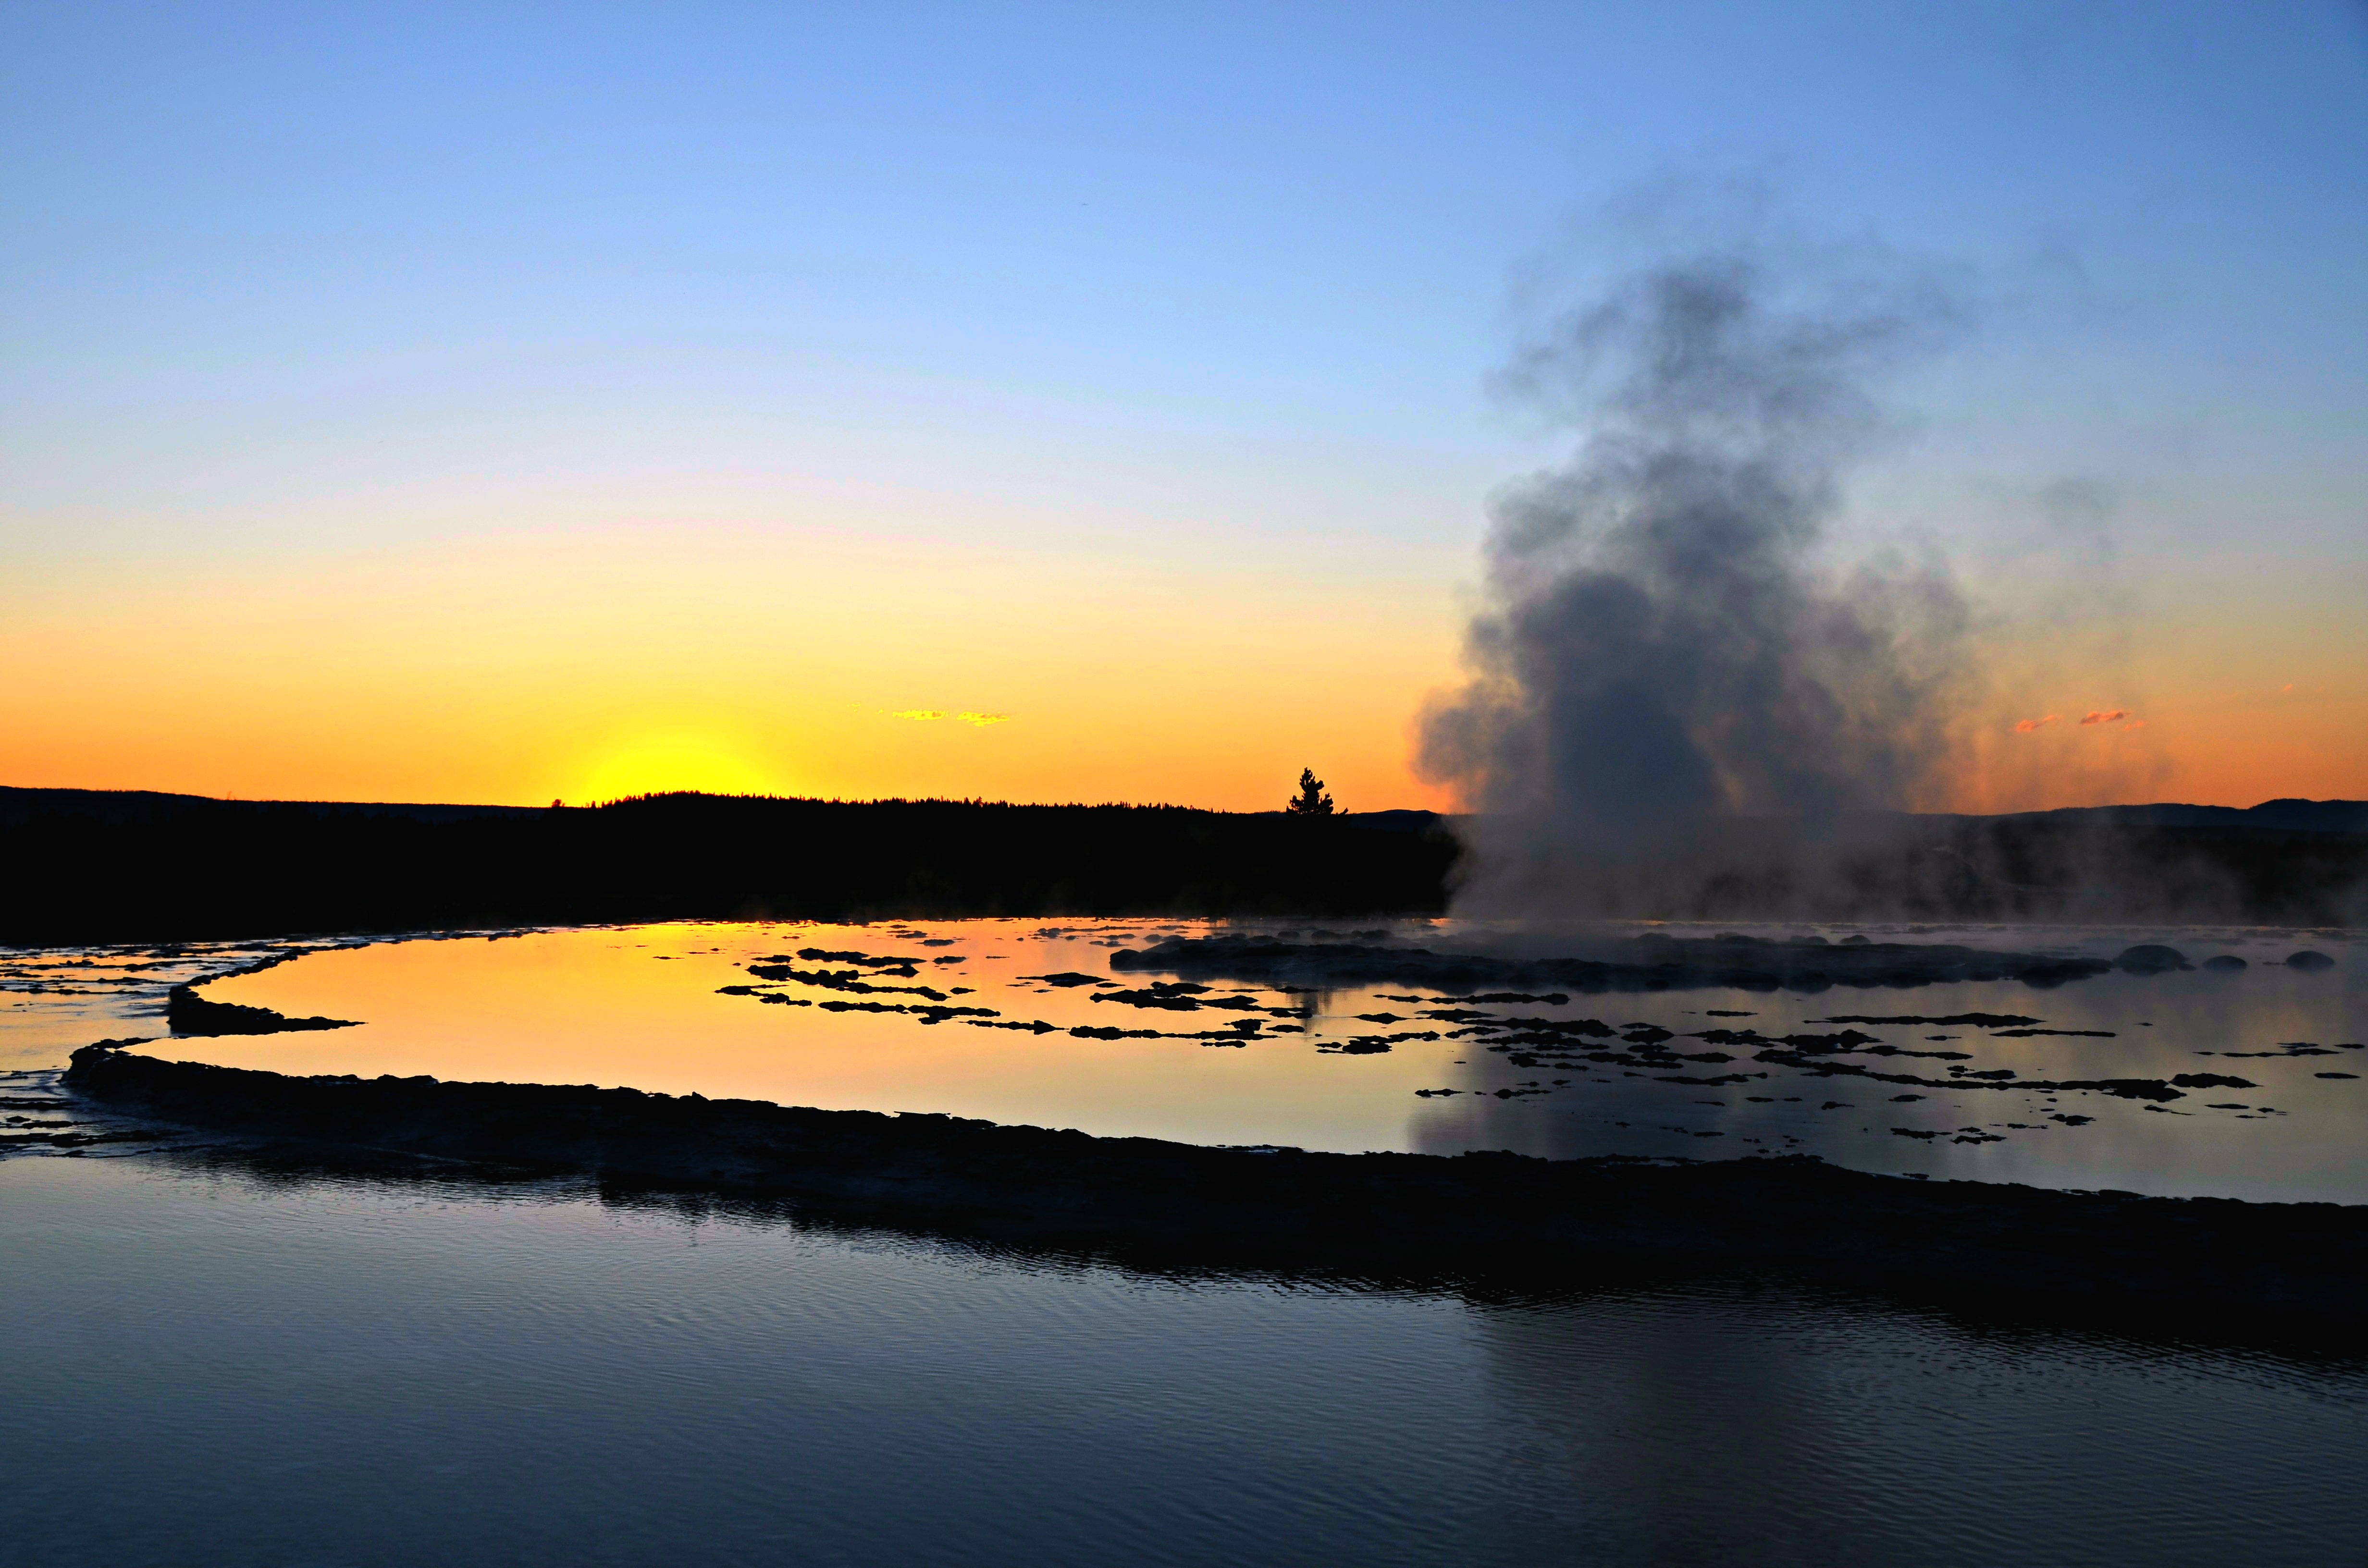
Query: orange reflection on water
{"points": [[638, 1006]]}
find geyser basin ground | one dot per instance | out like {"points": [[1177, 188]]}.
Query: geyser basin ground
{"points": [[1345, 1068]]}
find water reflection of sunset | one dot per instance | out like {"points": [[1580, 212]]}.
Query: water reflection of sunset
{"points": [[640, 1007]]}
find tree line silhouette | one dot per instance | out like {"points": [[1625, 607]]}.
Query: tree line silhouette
{"points": [[91, 866], [88, 867]]}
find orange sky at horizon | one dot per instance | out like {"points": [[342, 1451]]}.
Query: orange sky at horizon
{"points": [[521, 668], [477, 405], [517, 668]]}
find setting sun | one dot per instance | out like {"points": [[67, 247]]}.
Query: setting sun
{"points": [[656, 764]]}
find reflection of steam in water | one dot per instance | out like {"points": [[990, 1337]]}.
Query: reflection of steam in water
{"points": [[1672, 1431], [882, 1394], [1757, 1424]]}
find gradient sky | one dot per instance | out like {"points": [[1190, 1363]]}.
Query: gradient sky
{"points": [[499, 402]]}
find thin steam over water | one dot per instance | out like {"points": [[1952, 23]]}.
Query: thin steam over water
{"points": [[1667, 657]]}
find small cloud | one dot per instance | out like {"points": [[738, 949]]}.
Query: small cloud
{"points": [[2134, 724], [978, 720], [2288, 686], [2025, 726], [2105, 716]]}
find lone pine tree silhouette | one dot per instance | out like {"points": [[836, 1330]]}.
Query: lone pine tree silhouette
{"points": [[1311, 800]]}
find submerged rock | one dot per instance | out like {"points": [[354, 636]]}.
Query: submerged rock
{"points": [[2151, 958], [2309, 959], [1946, 1020]]}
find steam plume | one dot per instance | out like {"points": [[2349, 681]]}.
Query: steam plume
{"points": [[1666, 652]]}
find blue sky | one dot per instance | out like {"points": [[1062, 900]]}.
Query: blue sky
{"points": [[1177, 283]]}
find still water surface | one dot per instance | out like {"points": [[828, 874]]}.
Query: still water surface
{"points": [[210, 1358], [216, 1365], [644, 1007]]}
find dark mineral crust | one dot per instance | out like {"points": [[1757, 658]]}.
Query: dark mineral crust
{"points": [[186, 1012], [2288, 1262], [1652, 962]]}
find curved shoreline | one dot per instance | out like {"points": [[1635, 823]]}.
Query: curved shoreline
{"points": [[2298, 1262]]}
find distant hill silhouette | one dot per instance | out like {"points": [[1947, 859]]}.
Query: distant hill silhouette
{"points": [[116, 807], [91, 866], [2291, 816]]}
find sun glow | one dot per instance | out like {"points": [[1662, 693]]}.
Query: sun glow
{"points": [[650, 764]]}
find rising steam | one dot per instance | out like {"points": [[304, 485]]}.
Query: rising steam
{"points": [[1667, 654]]}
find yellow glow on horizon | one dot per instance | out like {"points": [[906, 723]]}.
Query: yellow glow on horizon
{"points": [[658, 763], [511, 669]]}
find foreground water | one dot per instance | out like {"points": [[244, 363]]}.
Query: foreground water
{"points": [[2285, 1118], [209, 1363], [213, 1357]]}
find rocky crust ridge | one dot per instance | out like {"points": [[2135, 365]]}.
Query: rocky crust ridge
{"points": [[2299, 1262], [1649, 962]]}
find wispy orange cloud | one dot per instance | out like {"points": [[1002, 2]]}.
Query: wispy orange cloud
{"points": [[2025, 726], [2105, 716], [978, 720]]}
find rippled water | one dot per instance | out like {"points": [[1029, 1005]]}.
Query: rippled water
{"points": [[211, 1358], [216, 1364], [642, 1007]]}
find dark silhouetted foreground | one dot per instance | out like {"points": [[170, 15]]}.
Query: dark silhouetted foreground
{"points": [[94, 867], [2303, 1264], [90, 866]]}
